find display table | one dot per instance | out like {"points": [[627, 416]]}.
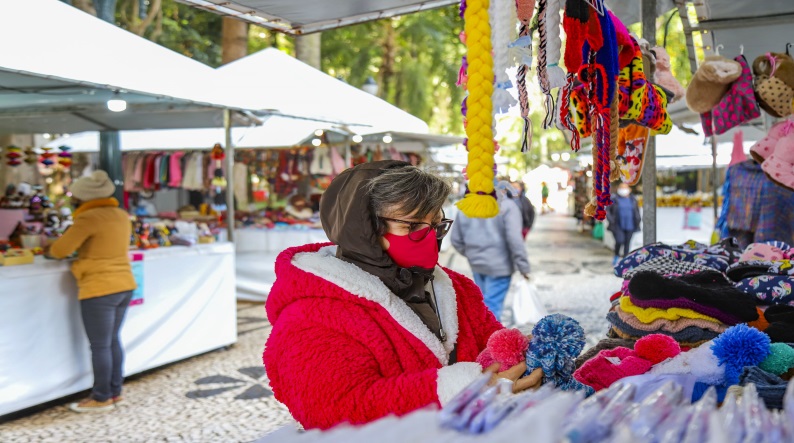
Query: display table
{"points": [[188, 308], [670, 223], [257, 250]]}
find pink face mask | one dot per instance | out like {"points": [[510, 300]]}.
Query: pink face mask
{"points": [[408, 253]]}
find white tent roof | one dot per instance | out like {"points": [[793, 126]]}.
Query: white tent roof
{"points": [[59, 66], [294, 88], [306, 16]]}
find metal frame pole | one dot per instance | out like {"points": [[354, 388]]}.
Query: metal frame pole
{"points": [[110, 160], [230, 218], [649, 174]]}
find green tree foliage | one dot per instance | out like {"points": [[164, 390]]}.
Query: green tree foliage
{"points": [[414, 58]]}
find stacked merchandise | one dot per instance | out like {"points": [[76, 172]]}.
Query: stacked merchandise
{"points": [[679, 291]]}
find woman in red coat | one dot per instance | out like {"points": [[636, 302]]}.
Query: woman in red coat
{"points": [[370, 325]]}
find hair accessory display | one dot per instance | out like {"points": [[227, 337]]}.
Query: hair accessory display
{"points": [[65, 157], [31, 156], [47, 157]]}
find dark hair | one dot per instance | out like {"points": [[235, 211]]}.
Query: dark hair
{"points": [[407, 190]]}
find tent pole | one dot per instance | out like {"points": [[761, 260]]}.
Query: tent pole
{"points": [[649, 175], [230, 218], [690, 42], [110, 160]]}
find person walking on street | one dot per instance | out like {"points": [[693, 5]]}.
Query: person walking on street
{"points": [[527, 210], [624, 220], [101, 236], [544, 193], [494, 248]]}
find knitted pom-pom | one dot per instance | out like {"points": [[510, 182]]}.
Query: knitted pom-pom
{"points": [[740, 346], [556, 341], [507, 346], [657, 348], [485, 359], [780, 359]]}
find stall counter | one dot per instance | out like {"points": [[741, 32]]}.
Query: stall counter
{"points": [[188, 307], [672, 229]]}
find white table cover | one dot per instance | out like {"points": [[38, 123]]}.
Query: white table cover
{"points": [[189, 308]]}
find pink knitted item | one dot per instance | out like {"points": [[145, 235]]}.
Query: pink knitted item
{"points": [[507, 347], [737, 155], [779, 166], [766, 146], [762, 252], [612, 365]]}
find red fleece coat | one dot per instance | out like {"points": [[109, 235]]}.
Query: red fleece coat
{"points": [[344, 349]]}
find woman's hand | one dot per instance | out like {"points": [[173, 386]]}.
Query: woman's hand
{"points": [[531, 381]]}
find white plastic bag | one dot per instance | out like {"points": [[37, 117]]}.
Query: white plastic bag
{"points": [[527, 308]]}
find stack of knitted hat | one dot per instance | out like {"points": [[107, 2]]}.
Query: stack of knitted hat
{"points": [[679, 291], [691, 308]]}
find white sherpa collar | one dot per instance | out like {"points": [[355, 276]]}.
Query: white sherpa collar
{"points": [[353, 279]]}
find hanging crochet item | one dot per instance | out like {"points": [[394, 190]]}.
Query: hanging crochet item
{"points": [[47, 157], [31, 156], [13, 156], [632, 142], [480, 198], [218, 154], [502, 14], [65, 157], [523, 49], [642, 102]]}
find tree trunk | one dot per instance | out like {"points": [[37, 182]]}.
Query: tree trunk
{"points": [[307, 49], [106, 10], [234, 40], [85, 6], [389, 56]]}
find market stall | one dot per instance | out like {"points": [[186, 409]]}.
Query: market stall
{"points": [[173, 316]]}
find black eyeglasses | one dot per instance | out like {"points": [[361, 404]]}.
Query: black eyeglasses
{"points": [[417, 231]]}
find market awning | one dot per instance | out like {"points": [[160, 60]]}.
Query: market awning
{"points": [[306, 16], [272, 78], [60, 66]]}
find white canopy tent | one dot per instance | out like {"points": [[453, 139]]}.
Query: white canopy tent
{"points": [[274, 78]]}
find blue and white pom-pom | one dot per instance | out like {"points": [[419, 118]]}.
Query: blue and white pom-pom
{"points": [[556, 341]]}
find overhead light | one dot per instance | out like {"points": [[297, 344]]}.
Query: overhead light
{"points": [[47, 135], [566, 156], [317, 142], [555, 157], [387, 138], [589, 173], [319, 133], [116, 104], [358, 139]]}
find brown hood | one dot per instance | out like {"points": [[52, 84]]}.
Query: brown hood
{"points": [[346, 216]]}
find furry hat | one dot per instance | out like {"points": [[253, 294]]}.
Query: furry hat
{"points": [[664, 75], [782, 68], [95, 186], [711, 83]]}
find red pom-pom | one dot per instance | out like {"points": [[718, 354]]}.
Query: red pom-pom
{"points": [[657, 348], [508, 347]]}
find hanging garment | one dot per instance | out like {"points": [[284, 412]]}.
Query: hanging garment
{"points": [[736, 107], [632, 141], [149, 174], [158, 161], [175, 170], [321, 162], [337, 161], [240, 176]]}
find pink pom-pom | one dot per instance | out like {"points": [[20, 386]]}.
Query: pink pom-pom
{"points": [[508, 347], [485, 359], [657, 348]]}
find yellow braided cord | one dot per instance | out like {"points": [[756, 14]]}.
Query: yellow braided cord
{"points": [[479, 203]]}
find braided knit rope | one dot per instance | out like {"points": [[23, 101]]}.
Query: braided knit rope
{"points": [[543, 75], [614, 136], [479, 202], [523, 96]]}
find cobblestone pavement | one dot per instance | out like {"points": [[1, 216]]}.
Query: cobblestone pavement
{"points": [[223, 396]]}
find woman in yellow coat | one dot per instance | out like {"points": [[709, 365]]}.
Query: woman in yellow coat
{"points": [[101, 236]]}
